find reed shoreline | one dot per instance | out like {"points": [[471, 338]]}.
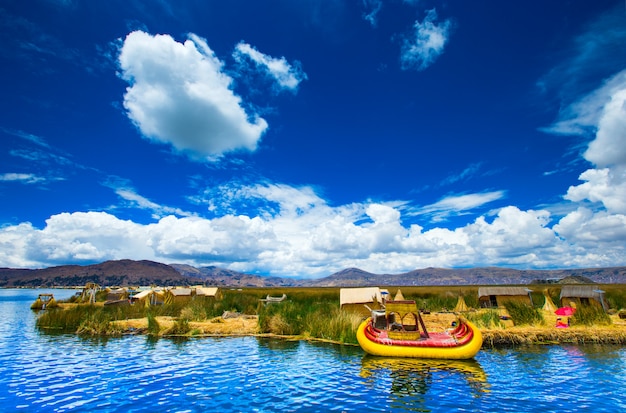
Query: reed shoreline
{"points": [[543, 336], [315, 315], [492, 338]]}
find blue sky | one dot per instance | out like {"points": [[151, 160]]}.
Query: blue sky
{"points": [[299, 138]]}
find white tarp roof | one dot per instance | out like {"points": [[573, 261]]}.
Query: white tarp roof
{"points": [[143, 294], [359, 295], [180, 292], [487, 291], [207, 291]]}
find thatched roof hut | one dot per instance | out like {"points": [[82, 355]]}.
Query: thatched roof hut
{"points": [[208, 292], [583, 295], [178, 295], [490, 297], [115, 294], [148, 297]]}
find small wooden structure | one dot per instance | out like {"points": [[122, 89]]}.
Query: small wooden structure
{"points": [[43, 302], [404, 320], [586, 295], [494, 297], [88, 295]]}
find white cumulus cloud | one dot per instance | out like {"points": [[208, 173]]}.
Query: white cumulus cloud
{"points": [[295, 232], [455, 205], [609, 146], [83, 237], [21, 177], [426, 43], [606, 186], [372, 8], [600, 220], [179, 95], [287, 76], [604, 112]]}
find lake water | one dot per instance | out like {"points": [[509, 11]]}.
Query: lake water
{"points": [[40, 372]]}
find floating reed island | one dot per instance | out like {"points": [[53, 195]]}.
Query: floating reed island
{"points": [[543, 335], [334, 314]]}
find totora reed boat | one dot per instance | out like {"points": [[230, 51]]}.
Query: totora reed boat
{"points": [[399, 331]]}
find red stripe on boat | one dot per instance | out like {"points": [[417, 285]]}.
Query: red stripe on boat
{"points": [[437, 340]]}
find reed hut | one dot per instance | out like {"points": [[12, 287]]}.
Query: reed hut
{"points": [[117, 297], [148, 297], [494, 297], [208, 292], [356, 299], [178, 295], [584, 295], [115, 294]]}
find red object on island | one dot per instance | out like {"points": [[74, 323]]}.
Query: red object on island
{"points": [[565, 311]]}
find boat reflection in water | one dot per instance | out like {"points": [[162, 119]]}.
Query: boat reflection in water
{"points": [[422, 381]]}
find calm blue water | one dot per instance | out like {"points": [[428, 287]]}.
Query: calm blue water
{"points": [[41, 372]]}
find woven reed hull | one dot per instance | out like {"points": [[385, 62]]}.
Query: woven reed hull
{"points": [[464, 351]]}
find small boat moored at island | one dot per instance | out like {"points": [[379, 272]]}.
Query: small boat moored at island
{"points": [[399, 331], [270, 299]]}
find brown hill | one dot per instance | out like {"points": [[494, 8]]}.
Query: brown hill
{"points": [[354, 277], [222, 277], [109, 273]]}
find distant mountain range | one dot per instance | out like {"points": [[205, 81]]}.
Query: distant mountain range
{"points": [[109, 273], [143, 273]]}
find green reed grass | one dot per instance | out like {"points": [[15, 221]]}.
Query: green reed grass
{"points": [[437, 303], [308, 315], [181, 327], [471, 300], [589, 315], [284, 318], [98, 323], [87, 319], [338, 326], [488, 319], [83, 319], [97, 320], [64, 320], [153, 325], [524, 314], [616, 299]]}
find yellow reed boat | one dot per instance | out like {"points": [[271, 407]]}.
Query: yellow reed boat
{"points": [[399, 331]]}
